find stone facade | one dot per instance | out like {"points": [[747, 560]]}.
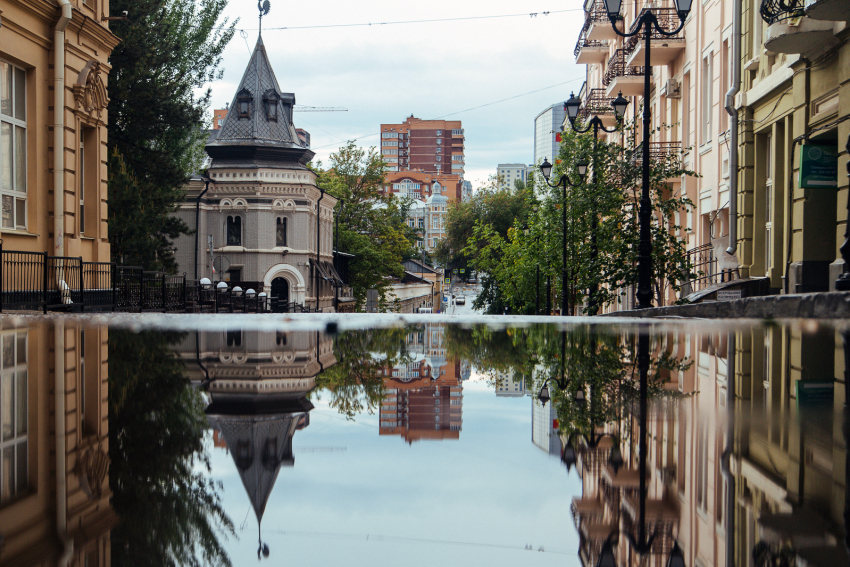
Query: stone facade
{"points": [[261, 220]]}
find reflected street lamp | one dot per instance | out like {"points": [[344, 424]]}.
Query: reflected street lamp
{"points": [[646, 23], [564, 181], [571, 107]]}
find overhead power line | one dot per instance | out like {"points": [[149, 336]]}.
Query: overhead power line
{"points": [[404, 22], [364, 136]]}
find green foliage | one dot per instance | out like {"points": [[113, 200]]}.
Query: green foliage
{"points": [[371, 226], [356, 382], [171, 513], [509, 260], [169, 50]]}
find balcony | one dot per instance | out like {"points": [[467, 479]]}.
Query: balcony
{"points": [[657, 151], [587, 511], [597, 22], [663, 49], [597, 104], [589, 51], [620, 77], [833, 10], [789, 31], [662, 519]]}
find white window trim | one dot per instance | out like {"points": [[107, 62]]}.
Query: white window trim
{"points": [[14, 123]]}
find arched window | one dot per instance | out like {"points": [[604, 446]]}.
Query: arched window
{"points": [[280, 237], [234, 231]]}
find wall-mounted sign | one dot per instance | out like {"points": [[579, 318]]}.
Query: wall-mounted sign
{"points": [[448, 280], [728, 294], [818, 167]]}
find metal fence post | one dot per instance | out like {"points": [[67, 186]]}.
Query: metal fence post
{"points": [[44, 282], [82, 285], [113, 273], [184, 292]]}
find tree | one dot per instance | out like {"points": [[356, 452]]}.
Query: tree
{"points": [[169, 50], [611, 196], [371, 226], [171, 513]]}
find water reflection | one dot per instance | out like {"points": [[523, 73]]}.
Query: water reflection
{"points": [[732, 451]]}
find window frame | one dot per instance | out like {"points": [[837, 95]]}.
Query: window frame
{"points": [[17, 161], [236, 220]]}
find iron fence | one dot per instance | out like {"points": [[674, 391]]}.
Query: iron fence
{"points": [[617, 68], [705, 267], [37, 281]]}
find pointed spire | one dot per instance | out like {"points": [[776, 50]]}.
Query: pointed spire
{"points": [[259, 122]]}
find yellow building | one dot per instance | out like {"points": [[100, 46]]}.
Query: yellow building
{"points": [[795, 67], [37, 527], [54, 202]]}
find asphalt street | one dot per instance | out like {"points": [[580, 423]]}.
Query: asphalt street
{"points": [[469, 294]]}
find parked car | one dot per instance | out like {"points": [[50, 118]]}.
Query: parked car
{"points": [[460, 300]]}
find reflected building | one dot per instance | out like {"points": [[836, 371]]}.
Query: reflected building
{"points": [[423, 398], [36, 527], [545, 427], [258, 383], [508, 384], [768, 483]]}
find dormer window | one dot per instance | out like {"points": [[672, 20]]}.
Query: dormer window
{"points": [[271, 101], [243, 103]]}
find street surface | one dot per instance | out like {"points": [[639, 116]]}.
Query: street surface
{"points": [[469, 293]]}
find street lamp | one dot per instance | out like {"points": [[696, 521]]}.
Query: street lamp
{"points": [[571, 107], [647, 23], [564, 181]]}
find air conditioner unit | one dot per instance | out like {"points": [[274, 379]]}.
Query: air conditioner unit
{"points": [[671, 89]]}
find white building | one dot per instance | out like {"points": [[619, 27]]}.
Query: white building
{"points": [[544, 427], [509, 385], [508, 173], [466, 191], [547, 133]]}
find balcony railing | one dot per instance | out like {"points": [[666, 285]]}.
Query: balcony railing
{"points": [[667, 18], [704, 265], [773, 11], [657, 151], [617, 68], [596, 104], [582, 38], [595, 12]]}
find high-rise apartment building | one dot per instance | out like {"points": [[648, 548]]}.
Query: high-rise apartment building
{"points": [[547, 133], [430, 146], [508, 173]]}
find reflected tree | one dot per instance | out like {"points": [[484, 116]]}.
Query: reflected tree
{"points": [[171, 513], [356, 382]]}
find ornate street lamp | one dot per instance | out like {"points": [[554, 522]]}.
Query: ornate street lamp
{"points": [[564, 181], [646, 23], [571, 107]]}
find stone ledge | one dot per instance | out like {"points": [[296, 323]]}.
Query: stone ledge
{"points": [[825, 305]]}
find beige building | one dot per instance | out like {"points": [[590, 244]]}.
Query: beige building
{"points": [[781, 80], [35, 445], [35, 181]]}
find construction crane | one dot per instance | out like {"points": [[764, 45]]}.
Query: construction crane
{"points": [[301, 108]]}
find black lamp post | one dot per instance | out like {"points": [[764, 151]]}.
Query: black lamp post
{"points": [[647, 23], [564, 181], [843, 281], [571, 107]]}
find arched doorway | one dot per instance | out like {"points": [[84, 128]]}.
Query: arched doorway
{"points": [[280, 289]]}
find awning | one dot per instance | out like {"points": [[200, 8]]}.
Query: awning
{"points": [[322, 271], [333, 273]]}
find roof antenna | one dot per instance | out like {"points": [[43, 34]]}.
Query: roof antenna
{"points": [[263, 6]]}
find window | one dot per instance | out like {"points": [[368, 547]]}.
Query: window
{"points": [[439, 142], [439, 150], [707, 103], [768, 202], [702, 465], [271, 100], [439, 158], [391, 144], [13, 145], [390, 152], [389, 135], [13, 416], [234, 231], [421, 223], [234, 338], [457, 157], [243, 103], [280, 338], [439, 132], [280, 235], [457, 132]]}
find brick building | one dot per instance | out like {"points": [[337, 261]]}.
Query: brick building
{"points": [[430, 146]]}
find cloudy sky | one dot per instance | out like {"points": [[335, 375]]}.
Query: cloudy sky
{"points": [[384, 73]]}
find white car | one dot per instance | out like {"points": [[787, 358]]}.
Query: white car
{"points": [[460, 300]]}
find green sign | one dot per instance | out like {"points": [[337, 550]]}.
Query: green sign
{"points": [[815, 392], [818, 167]]}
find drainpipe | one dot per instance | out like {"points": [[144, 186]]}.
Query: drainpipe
{"points": [[59, 127], [65, 16], [726, 457], [318, 243], [198, 220], [733, 127]]}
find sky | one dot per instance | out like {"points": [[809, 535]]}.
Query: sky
{"points": [[359, 499], [385, 73]]}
